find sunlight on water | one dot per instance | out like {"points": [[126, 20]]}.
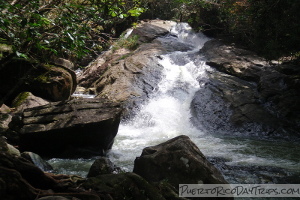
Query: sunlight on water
{"points": [[167, 115]]}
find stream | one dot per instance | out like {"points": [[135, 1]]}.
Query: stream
{"points": [[240, 157]]}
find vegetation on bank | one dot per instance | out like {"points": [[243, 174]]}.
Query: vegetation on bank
{"points": [[42, 29], [64, 28], [269, 27]]}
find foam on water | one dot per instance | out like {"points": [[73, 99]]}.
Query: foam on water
{"points": [[167, 115]]}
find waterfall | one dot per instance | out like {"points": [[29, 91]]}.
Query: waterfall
{"points": [[167, 114]]}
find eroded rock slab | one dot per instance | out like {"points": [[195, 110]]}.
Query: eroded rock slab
{"points": [[75, 128]]}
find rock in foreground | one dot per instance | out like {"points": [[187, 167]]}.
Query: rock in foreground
{"points": [[178, 161], [76, 128]]}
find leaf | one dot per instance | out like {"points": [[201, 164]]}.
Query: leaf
{"points": [[70, 36], [21, 55]]}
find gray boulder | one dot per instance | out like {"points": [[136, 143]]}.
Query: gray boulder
{"points": [[177, 161], [247, 94], [75, 128], [227, 104]]}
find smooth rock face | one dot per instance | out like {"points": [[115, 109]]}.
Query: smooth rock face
{"points": [[178, 161], [75, 128], [227, 104], [246, 94], [128, 77]]}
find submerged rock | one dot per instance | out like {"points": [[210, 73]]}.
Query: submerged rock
{"points": [[75, 128], [177, 161]]}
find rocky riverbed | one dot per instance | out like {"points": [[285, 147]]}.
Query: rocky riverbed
{"points": [[248, 95]]}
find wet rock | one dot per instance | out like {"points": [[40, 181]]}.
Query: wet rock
{"points": [[177, 161], [227, 104], [37, 161], [75, 128], [128, 77], [122, 186], [247, 93], [101, 166]]}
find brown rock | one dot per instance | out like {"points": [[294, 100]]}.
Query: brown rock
{"points": [[50, 82]]}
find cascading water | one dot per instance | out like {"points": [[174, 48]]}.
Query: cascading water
{"points": [[167, 114]]}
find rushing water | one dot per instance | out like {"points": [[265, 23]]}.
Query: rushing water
{"points": [[242, 159]]}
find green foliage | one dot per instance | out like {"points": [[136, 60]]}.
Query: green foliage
{"points": [[130, 43], [269, 27], [20, 98], [180, 10], [65, 28]]}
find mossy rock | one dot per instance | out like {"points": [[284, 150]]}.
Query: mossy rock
{"points": [[51, 82], [20, 98]]}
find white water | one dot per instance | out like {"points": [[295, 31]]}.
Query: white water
{"points": [[167, 115]]}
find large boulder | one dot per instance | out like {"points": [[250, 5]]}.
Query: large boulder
{"points": [[177, 161], [75, 128], [234, 61], [51, 82], [246, 93], [128, 76], [226, 104]]}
